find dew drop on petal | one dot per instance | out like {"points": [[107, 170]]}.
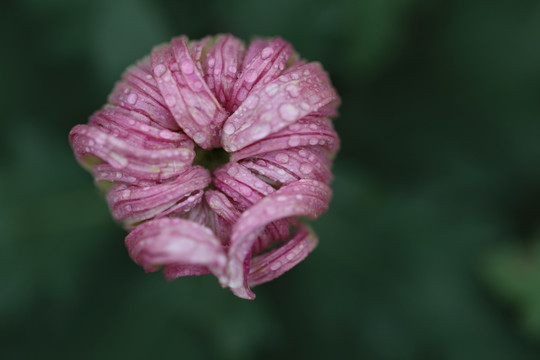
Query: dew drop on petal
{"points": [[271, 89], [288, 112], [132, 99], [170, 100], [260, 131], [160, 70], [306, 168], [187, 67], [199, 137], [275, 266], [251, 101], [292, 90], [266, 52], [251, 76], [165, 134], [228, 129], [294, 141], [305, 106], [270, 210], [282, 157], [313, 141], [245, 190], [211, 61]]}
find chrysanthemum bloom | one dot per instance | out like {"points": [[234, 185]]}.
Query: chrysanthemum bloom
{"points": [[210, 151]]}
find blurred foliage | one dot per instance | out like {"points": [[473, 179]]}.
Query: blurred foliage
{"points": [[438, 174]]}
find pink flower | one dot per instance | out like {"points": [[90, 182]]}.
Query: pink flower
{"points": [[261, 113]]}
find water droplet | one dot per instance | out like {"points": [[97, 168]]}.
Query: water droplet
{"points": [[288, 112], [271, 89], [290, 256], [187, 67], [266, 52], [313, 127], [159, 70], [245, 190], [305, 106], [165, 134], [242, 94], [233, 170], [198, 85], [260, 131], [303, 153], [126, 91], [232, 69], [211, 61], [199, 137], [270, 210], [229, 129], [281, 198], [233, 147], [132, 99], [170, 100], [314, 99], [313, 141], [275, 266], [294, 141], [251, 101], [306, 72], [306, 168], [294, 127], [282, 157], [251, 76], [292, 90]]}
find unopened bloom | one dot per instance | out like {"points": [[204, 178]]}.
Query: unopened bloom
{"points": [[262, 111]]}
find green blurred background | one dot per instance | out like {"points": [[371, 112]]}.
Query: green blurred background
{"points": [[430, 249]]}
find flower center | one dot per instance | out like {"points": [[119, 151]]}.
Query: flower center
{"points": [[210, 159]]}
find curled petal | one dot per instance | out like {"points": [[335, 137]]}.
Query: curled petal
{"points": [[263, 62], [283, 101], [133, 204], [299, 163], [307, 132], [186, 94], [302, 198], [139, 92], [90, 142], [246, 189], [272, 264], [223, 64], [166, 241]]}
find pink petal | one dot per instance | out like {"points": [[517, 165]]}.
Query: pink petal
{"points": [[176, 241], [246, 189], [132, 204], [283, 101], [139, 92], [272, 264], [223, 64], [264, 61], [186, 94], [128, 156], [300, 163], [307, 132], [302, 198]]}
